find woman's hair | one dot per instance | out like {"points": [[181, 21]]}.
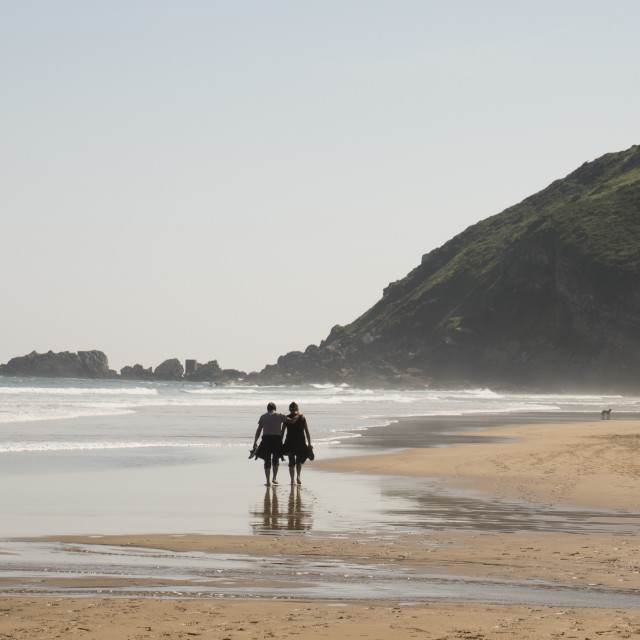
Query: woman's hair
{"points": [[271, 406], [293, 407]]}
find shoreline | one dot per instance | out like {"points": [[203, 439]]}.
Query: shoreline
{"points": [[533, 463], [591, 464]]}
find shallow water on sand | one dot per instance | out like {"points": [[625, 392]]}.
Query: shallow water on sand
{"points": [[220, 491], [224, 496], [333, 504], [92, 570]]}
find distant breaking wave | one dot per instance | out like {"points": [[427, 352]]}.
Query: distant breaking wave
{"points": [[19, 447], [78, 391], [52, 446], [96, 415], [221, 390], [63, 414]]}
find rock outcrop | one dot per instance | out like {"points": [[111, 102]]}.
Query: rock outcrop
{"points": [[94, 364], [211, 372], [171, 369], [84, 364], [137, 372]]}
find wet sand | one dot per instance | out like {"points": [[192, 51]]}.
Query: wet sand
{"points": [[591, 465], [594, 464]]}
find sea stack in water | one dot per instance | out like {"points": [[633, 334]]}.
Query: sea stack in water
{"points": [[211, 372], [137, 372], [171, 369]]}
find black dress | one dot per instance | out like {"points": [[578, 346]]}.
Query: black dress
{"points": [[295, 442]]}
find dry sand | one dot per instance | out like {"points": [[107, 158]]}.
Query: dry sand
{"points": [[110, 619], [591, 464]]}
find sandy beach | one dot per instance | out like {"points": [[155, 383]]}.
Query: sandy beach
{"points": [[591, 465]]}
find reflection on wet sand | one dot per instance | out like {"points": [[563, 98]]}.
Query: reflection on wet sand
{"points": [[428, 506], [273, 517]]}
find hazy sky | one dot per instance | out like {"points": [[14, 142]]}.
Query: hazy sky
{"points": [[229, 179]]}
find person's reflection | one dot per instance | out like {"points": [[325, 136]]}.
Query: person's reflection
{"points": [[296, 518], [270, 513], [296, 513]]}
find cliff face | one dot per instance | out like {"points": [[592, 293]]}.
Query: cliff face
{"points": [[545, 294]]}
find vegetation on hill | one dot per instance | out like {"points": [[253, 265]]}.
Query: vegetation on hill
{"points": [[545, 293]]}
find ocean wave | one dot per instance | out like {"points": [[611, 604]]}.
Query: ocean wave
{"points": [[442, 403], [471, 394], [78, 391], [33, 447], [70, 446], [578, 400], [251, 402], [337, 439], [8, 417], [331, 387], [483, 393], [222, 390]]}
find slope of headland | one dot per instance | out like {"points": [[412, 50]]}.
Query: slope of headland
{"points": [[542, 295]]}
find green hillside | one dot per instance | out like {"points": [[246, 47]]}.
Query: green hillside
{"points": [[545, 293]]}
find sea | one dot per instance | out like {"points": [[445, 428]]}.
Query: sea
{"points": [[113, 456]]}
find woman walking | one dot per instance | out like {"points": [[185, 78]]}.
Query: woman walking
{"points": [[297, 442]]}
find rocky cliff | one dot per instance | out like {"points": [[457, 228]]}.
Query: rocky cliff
{"points": [[544, 295]]}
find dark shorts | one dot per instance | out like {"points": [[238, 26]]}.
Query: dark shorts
{"points": [[270, 450]]}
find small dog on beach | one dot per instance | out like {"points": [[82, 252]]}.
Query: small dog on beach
{"points": [[605, 414]]}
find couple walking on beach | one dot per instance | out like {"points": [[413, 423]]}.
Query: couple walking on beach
{"points": [[296, 444]]}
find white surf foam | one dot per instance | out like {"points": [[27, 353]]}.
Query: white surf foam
{"points": [[78, 391], [24, 447]]}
